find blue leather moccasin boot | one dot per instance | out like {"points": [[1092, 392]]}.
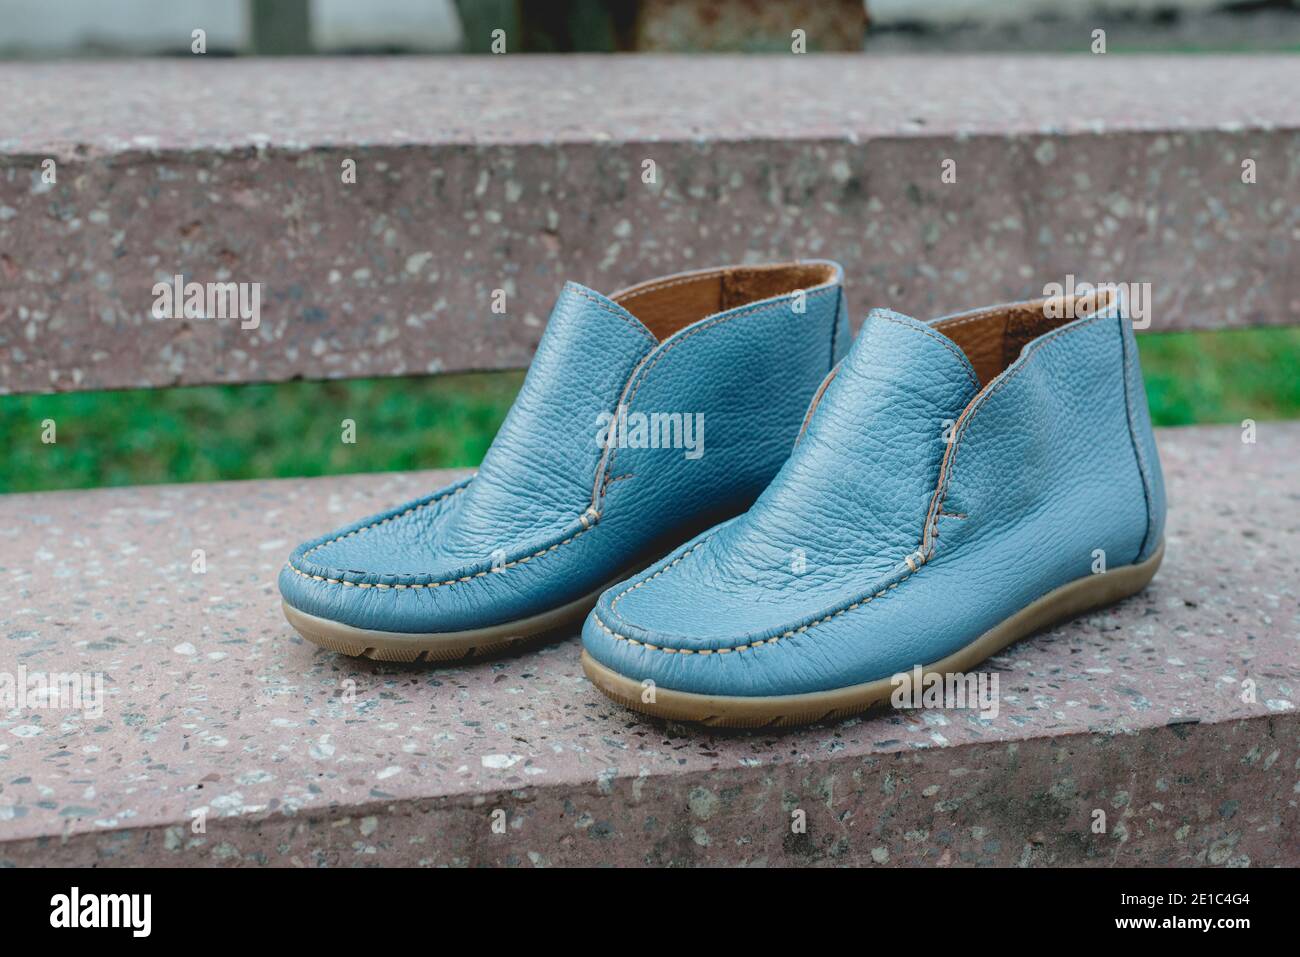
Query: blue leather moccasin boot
{"points": [[601, 466], [958, 486]]}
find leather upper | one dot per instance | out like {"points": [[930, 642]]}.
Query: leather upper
{"points": [[930, 498], [552, 513]]}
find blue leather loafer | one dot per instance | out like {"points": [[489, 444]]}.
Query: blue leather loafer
{"points": [[959, 485], [600, 467]]}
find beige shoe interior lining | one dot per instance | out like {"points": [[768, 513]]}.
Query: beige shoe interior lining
{"points": [[666, 306], [992, 338]]}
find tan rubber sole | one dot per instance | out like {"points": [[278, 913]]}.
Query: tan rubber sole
{"points": [[729, 711], [439, 646]]}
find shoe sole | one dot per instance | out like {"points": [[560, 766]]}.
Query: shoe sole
{"points": [[439, 646], [730, 711]]}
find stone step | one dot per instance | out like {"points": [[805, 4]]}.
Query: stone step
{"points": [[296, 756], [477, 174]]}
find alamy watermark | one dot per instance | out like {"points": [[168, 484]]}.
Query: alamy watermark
{"points": [[653, 430], [33, 690], [179, 299], [133, 912], [1070, 299], [930, 689]]}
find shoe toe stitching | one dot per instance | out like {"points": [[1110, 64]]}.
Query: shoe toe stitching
{"points": [[753, 643], [586, 522]]}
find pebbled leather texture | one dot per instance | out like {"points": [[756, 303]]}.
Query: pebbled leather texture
{"points": [[920, 509], [1144, 442], [551, 515]]}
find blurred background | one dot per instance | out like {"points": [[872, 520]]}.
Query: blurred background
{"points": [[46, 28], [253, 431]]}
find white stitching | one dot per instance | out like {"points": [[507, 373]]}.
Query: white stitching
{"points": [[802, 629], [391, 518], [614, 601], [449, 581], [915, 561], [608, 465], [942, 340], [631, 320], [949, 464], [656, 286]]}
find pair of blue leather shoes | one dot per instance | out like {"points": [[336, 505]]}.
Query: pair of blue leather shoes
{"points": [[953, 486]]}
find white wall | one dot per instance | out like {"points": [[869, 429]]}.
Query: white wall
{"points": [[60, 26], [148, 26], [50, 27], [989, 11], [413, 24]]}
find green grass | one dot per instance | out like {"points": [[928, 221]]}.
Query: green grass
{"points": [[254, 431], [259, 431], [1203, 377]]}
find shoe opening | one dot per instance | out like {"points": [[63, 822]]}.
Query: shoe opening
{"points": [[666, 306], [992, 338]]}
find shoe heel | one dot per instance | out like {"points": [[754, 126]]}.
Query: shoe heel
{"points": [[1095, 591]]}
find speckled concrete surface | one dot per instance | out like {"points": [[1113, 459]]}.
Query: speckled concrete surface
{"points": [[516, 173], [298, 757]]}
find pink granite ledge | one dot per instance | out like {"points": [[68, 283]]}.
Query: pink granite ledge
{"points": [[518, 173], [302, 757], [193, 104]]}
